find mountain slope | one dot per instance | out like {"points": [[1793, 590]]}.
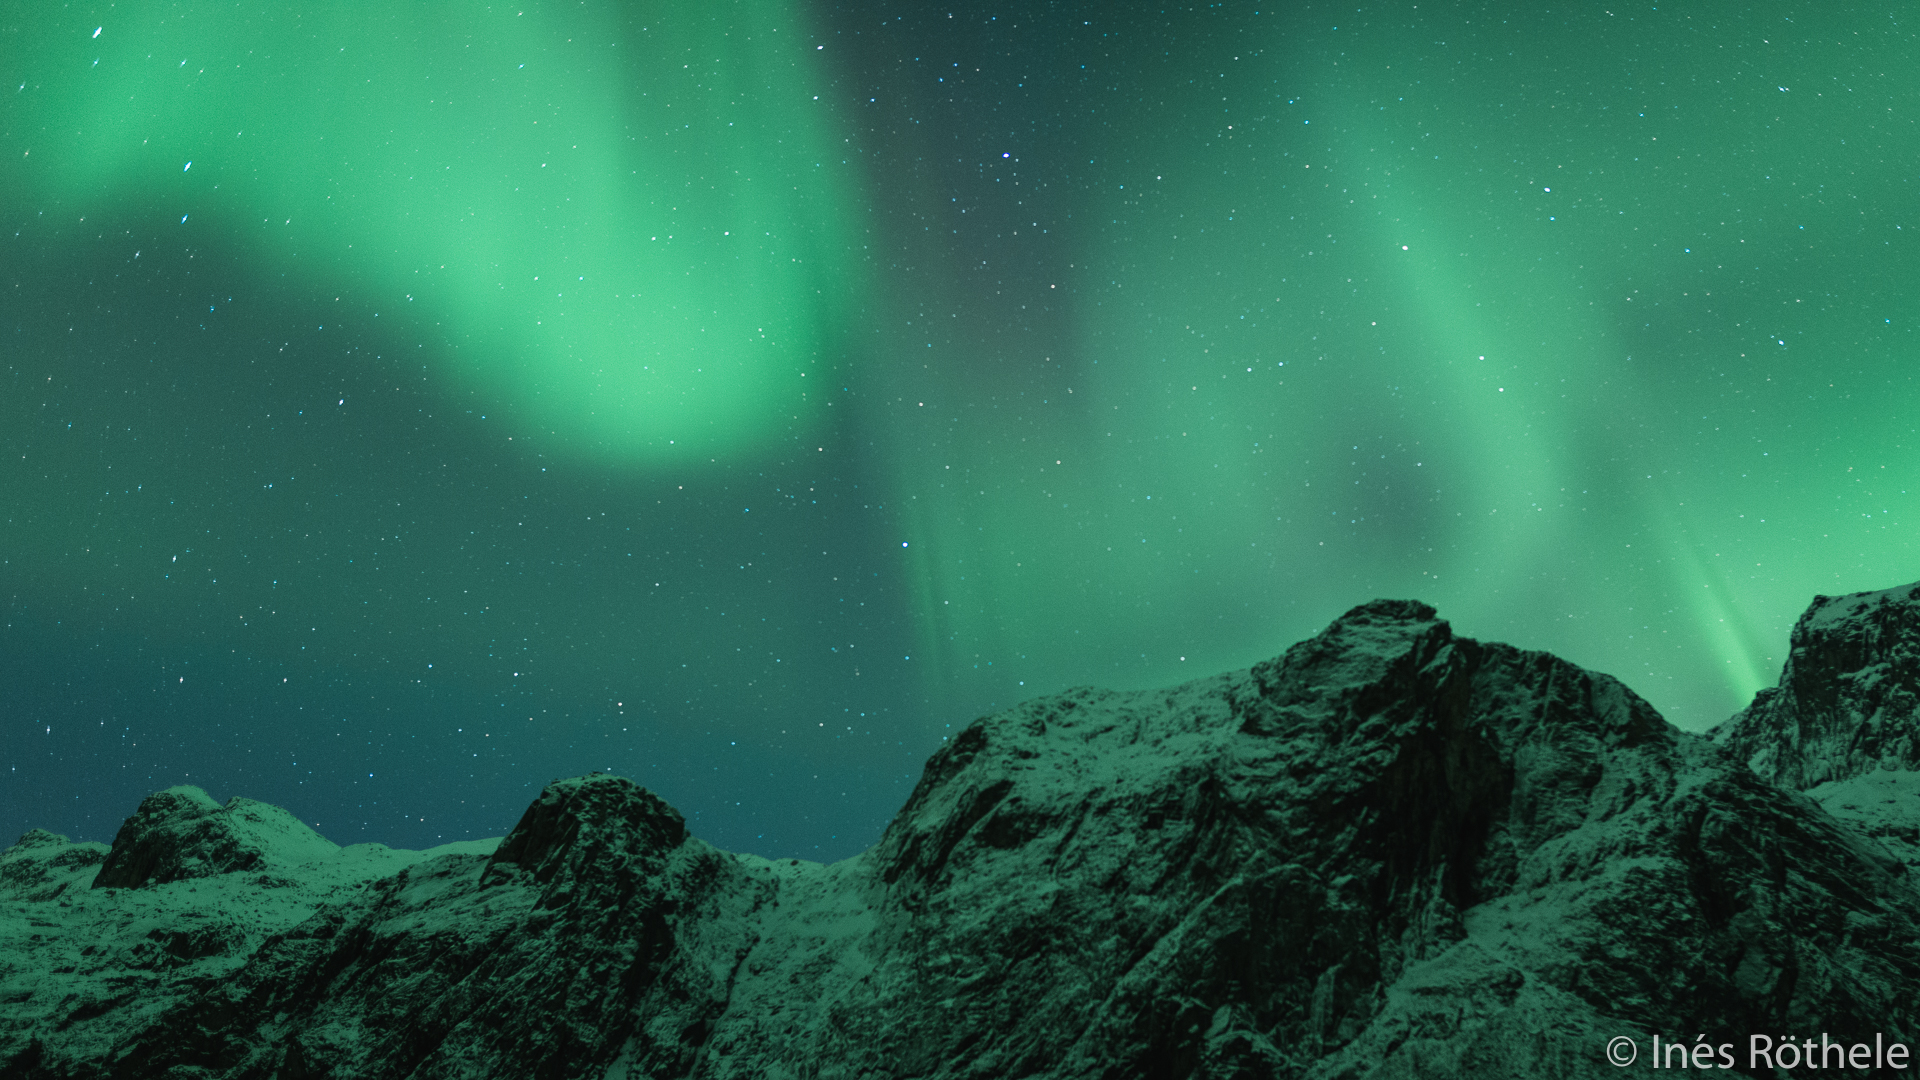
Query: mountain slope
{"points": [[1391, 852], [1848, 697], [1843, 725]]}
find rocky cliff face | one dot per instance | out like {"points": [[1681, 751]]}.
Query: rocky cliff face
{"points": [[1848, 696], [1843, 725], [1391, 852]]}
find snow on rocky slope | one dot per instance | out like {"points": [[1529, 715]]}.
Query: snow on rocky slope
{"points": [[1843, 725], [1847, 697], [1391, 852]]}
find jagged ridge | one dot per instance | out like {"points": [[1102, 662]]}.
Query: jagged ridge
{"points": [[1392, 851], [1848, 695]]}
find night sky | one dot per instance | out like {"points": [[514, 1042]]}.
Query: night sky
{"points": [[404, 405]]}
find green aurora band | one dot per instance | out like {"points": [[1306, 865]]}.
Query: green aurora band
{"points": [[1590, 330], [643, 266], [1594, 330]]}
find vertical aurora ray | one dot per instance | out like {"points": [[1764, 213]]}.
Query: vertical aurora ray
{"points": [[1547, 321], [582, 371], [630, 227]]}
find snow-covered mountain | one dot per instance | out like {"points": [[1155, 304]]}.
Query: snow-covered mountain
{"points": [[1391, 852]]}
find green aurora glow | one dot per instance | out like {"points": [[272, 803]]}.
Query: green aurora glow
{"points": [[1594, 330], [634, 234], [1003, 353]]}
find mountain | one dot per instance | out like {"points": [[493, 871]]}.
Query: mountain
{"points": [[1843, 725], [1847, 697], [1391, 852]]}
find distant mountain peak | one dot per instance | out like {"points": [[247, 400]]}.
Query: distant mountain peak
{"points": [[183, 833]]}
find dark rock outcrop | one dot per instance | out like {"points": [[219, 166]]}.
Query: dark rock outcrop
{"points": [[180, 833], [1848, 701], [1843, 725], [1391, 852], [41, 865]]}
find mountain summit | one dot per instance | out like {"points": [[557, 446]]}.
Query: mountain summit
{"points": [[1391, 852], [1848, 702]]}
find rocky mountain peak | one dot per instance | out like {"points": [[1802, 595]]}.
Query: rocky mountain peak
{"points": [[1848, 700], [587, 821], [1391, 851], [183, 833]]}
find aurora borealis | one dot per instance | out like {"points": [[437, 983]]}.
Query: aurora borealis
{"points": [[404, 409]]}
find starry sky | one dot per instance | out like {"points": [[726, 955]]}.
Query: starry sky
{"points": [[402, 406]]}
